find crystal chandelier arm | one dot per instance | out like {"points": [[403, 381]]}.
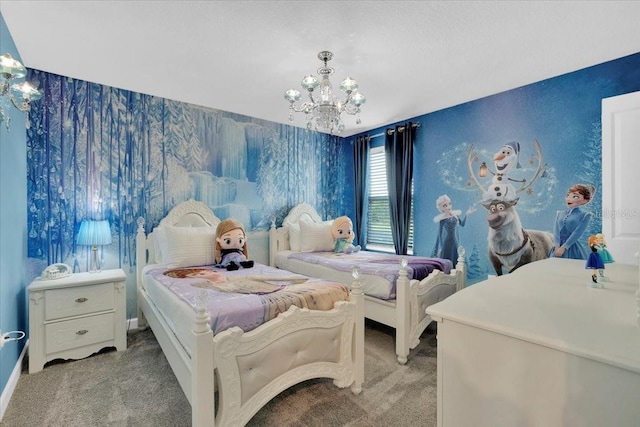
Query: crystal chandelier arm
{"points": [[351, 109], [305, 107]]}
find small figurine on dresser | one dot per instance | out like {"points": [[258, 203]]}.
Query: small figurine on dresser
{"points": [[231, 245], [602, 249], [342, 232], [594, 262]]}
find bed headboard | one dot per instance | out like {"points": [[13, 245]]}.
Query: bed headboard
{"points": [[279, 237], [190, 213]]}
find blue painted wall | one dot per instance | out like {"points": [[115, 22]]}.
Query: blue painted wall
{"points": [[561, 113], [13, 226]]}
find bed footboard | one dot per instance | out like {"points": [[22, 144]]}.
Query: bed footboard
{"points": [[298, 345], [414, 296]]}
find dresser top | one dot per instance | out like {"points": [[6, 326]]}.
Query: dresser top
{"points": [[550, 303]]}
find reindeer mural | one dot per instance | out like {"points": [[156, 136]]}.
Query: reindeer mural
{"points": [[510, 245]]}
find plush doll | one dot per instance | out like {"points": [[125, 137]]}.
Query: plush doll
{"points": [[342, 232], [231, 245]]}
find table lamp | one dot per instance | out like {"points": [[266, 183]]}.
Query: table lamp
{"points": [[94, 233]]}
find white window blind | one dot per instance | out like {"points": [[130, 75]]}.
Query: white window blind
{"points": [[378, 218]]}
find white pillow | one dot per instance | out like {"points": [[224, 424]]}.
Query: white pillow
{"points": [[187, 246], [158, 236], [316, 237], [294, 237]]}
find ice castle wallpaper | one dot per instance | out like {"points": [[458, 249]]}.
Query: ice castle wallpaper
{"points": [[98, 152]]}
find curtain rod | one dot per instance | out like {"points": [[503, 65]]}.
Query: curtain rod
{"points": [[414, 125], [401, 128], [390, 131]]}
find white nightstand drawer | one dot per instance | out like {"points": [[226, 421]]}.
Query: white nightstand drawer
{"points": [[79, 332], [68, 302]]}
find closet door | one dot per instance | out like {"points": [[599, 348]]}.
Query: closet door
{"points": [[621, 176]]}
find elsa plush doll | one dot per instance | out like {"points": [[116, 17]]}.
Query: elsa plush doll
{"points": [[342, 232]]}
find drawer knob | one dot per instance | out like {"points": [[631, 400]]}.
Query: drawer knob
{"points": [[82, 332], [83, 299]]}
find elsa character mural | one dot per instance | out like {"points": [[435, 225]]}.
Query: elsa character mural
{"points": [[447, 240]]}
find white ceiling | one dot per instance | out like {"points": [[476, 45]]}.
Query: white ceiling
{"points": [[410, 57]]}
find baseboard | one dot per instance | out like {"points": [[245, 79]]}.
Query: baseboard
{"points": [[13, 381], [132, 324]]}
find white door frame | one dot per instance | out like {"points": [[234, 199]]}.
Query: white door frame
{"points": [[621, 175]]}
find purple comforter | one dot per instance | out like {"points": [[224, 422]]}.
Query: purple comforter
{"points": [[376, 263], [249, 297]]}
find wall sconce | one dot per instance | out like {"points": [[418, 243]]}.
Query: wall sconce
{"points": [[483, 170], [94, 234], [25, 92]]}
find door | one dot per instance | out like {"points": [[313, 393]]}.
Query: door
{"points": [[621, 176]]}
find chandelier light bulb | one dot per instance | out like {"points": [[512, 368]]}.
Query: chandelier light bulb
{"points": [[292, 95], [11, 68], [358, 99], [310, 83], [27, 91], [349, 85]]}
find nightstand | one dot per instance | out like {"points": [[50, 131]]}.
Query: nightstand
{"points": [[76, 316]]}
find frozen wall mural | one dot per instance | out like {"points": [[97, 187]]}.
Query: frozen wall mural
{"points": [[552, 130], [97, 152]]}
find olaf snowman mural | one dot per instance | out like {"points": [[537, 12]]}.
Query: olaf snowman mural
{"points": [[504, 160], [511, 245]]}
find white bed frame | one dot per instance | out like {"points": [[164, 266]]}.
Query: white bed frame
{"points": [[407, 313], [224, 363]]}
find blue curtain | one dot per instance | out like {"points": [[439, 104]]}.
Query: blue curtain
{"points": [[360, 160], [398, 149]]}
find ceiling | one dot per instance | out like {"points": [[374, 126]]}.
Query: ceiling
{"points": [[409, 57]]}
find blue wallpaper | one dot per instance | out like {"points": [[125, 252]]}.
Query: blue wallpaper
{"points": [[97, 151], [104, 153]]}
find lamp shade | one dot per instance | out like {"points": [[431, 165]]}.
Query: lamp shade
{"points": [[94, 233]]}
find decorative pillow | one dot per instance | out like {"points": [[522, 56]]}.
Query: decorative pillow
{"points": [[294, 237], [158, 236], [316, 237], [186, 246]]}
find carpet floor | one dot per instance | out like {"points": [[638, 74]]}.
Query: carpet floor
{"points": [[136, 387]]}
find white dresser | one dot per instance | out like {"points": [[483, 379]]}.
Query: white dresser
{"points": [[76, 316], [539, 347]]}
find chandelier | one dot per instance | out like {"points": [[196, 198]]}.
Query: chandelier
{"points": [[325, 111], [25, 92]]}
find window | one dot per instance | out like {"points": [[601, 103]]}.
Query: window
{"points": [[378, 218]]}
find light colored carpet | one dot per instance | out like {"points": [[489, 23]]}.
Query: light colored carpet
{"points": [[136, 387]]}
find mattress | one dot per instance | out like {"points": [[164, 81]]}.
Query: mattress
{"points": [[245, 298], [379, 272]]}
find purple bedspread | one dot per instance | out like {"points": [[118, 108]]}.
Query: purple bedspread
{"points": [[249, 297], [376, 263]]}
